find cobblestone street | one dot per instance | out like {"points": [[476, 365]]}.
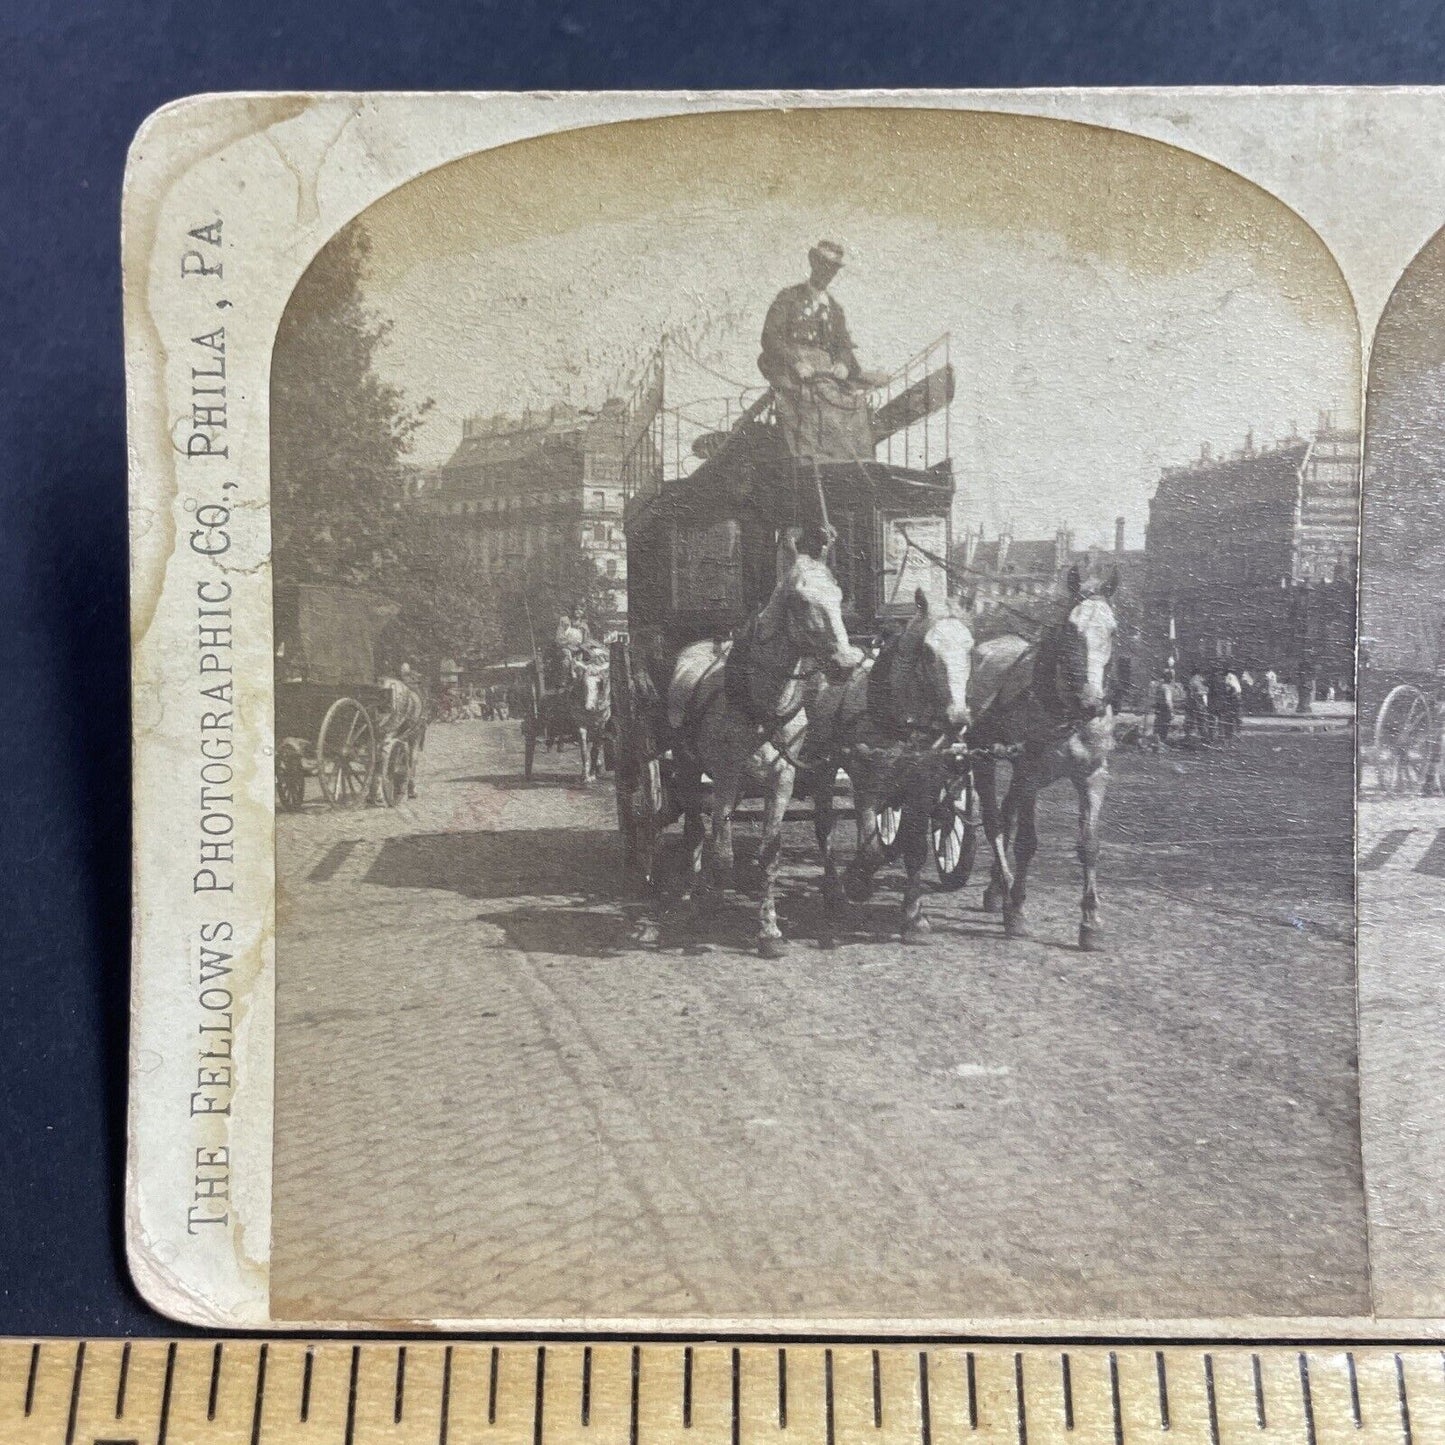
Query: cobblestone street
{"points": [[500, 1096]]}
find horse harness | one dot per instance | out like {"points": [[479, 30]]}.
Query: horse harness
{"points": [[737, 668]]}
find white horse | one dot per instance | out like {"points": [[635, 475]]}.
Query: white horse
{"points": [[1050, 701], [888, 728], [736, 712]]}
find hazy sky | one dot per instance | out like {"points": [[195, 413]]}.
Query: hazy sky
{"points": [[1112, 302]]}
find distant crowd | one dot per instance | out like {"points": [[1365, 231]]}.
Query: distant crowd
{"points": [[1201, 709]]}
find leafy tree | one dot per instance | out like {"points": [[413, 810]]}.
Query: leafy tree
{"points": [[340, 434], [531, 606]]}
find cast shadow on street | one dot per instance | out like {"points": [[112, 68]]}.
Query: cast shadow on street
{"points": [[515, 863]]}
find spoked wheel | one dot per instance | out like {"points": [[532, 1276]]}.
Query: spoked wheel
{"points": [[395, 775], [290, 777], [890, 815], [641, 793], [953, 834], [346, 754], [1404, 740], [639, 820]]}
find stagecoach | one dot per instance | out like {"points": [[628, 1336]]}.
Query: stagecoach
{"points": [[330, 711], [713, 488]]}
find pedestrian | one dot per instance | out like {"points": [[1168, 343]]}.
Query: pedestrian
{"points": [[1196, 709], [1161, 693], [1231, 712]]}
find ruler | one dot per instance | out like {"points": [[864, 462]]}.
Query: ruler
{"points": [[335, 1392]]}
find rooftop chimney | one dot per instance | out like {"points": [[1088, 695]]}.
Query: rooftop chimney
{"points": [[1118, 534], [1206, 452]]}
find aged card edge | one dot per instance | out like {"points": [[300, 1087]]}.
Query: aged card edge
{"points": [[167, 1289]]}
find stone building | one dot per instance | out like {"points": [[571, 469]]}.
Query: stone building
{"points": [[1005, 572], [1252, 557], [520, 494]]}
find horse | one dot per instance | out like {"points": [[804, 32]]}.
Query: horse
{"points": [[888, 727], [736, 712], [589, 705], [1047, 704]]}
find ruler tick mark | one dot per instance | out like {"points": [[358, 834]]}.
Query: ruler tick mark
{"points": [[828, 1396], [1114, 1398], [1210, 1399], [30, 1382], [1066, 1370], [306, 1386], [446, 1397], [215, 1381], [586, 1385], [972, 1394], [1404, 1401], [75, 1393], [1259, 1414], [260, 1394], [635, 1408], [492, 1388], [351, 1394], [1354, 1389], [166, 1394], [782, 1389], [541, 1387], [925, 1413], [396, 1409], [1019, 1398], [877, 1393], [120, 1383], [1160, 1370], [1308, 1396], [737, 1396], [687, 1388]]}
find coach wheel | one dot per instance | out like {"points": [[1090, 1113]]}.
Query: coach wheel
{"points": [[346, 753], [290, 777], [1404, 740], [395, 775], [953, 833]]}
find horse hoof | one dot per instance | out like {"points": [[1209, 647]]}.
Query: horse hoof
{"points": [[772, 948], [858, 888], [1091, 938], [1015, 925], [914, 933], [992, 901]]}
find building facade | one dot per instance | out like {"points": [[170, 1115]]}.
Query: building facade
{"points": [[1252, 558], [521, 497]]}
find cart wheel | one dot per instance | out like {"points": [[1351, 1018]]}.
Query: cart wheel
{"points": [[346, 753], [953, 832], [1404, 740], [639, 821], [641, 794], [889, 817], [290, 777], [395, 772]]}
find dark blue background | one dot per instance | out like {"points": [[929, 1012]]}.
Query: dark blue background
{"points": [[74, 86]]}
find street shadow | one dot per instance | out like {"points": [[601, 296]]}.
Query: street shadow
{"points": [[517, 783], [517, 863], [572, 932]]}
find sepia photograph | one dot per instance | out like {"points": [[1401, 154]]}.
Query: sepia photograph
{"points": [[1401, 817], [814, 732]]}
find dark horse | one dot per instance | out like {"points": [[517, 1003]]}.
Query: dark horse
{"points": [[1046, 704]]}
